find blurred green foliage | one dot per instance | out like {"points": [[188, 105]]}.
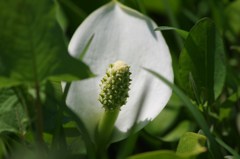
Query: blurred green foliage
{"points": [[33, 52]]}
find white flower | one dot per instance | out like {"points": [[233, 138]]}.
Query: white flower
{"points": [[121, 33]]}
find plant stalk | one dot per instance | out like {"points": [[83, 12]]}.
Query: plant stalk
{"points": [[39, 119], [104, 131]]}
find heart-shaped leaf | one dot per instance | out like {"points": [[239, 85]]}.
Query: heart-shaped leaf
{"points": [[32, 45]]}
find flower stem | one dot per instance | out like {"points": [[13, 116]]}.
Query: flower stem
{"points": [[104, 131], [106, 125], [39, 120]]}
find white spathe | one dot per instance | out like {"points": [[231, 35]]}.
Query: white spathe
{"points": [[121, 33]]}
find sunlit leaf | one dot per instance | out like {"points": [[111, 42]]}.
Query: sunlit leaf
{"points": [[191, 144], [164, 154]]}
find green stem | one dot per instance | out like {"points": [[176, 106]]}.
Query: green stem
{"points": [[39, 120], [104, 131]]}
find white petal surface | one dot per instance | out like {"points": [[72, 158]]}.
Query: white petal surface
{"points": [[121, 33]]}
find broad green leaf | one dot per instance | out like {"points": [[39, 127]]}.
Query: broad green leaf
{"points": [[191, 144], [32, 45], [202, 68], [13, 117], [214, 149]]}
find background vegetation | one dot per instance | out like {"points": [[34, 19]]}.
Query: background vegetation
{"points": [[202, 119]]}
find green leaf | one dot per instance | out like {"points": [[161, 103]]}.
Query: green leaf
{"points": [[53, 116], [61, 17], [214, 149], [191, 144], [3, 149], [13, 118], [182, 33], [178, 131], [172, 128], [163, 154], [58, 119], [169, 115], [32, 45], [228, 148], [202, 68]]}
